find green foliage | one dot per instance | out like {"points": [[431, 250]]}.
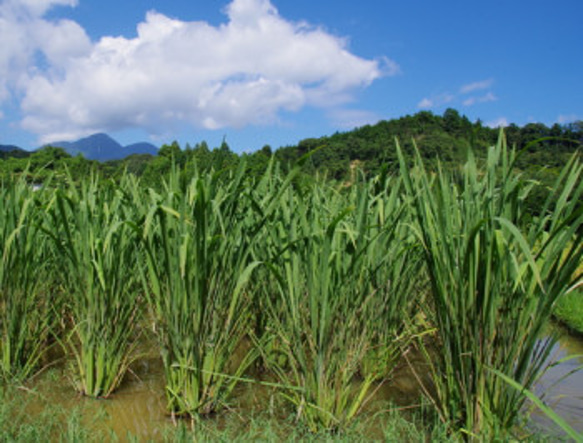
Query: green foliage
{"points": [[197, 239], [445, 137], [342, 275], [569, 310], [495, 275], [24, 302], [96, 244]]}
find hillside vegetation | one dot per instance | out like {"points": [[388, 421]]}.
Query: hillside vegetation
{"points": [[370, 148]]}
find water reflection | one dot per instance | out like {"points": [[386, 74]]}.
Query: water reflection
{"points": [[561, 387], [138, 407]]}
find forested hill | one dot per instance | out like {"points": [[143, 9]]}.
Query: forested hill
{"points": [[369, 148], [445, 137]]}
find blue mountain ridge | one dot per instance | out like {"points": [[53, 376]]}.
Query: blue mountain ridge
{"points": [[102, 147], [9, 148]]}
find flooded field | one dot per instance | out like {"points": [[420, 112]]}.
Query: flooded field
{"points": [[137, 409], [561, 387]]}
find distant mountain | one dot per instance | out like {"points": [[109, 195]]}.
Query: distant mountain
{"points": [[9, 148], [102, 147], [12, 151]]}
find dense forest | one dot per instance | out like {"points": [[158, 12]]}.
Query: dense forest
{"points": [[371, 148]]}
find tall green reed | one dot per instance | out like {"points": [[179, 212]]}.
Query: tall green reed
{"points": [[332, 259], [494, 274], [96, 241], [198, 266], [395, 264], [24, 301]]}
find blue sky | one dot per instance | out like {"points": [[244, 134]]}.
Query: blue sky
{"points": [[260, 72]]}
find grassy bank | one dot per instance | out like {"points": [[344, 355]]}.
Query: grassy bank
{"points": [[45, 410], [86, 420], [569, 308], [569, 311]]}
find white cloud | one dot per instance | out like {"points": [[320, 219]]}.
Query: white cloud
{"points": [[37, 7], [438, 100], [61, 42], [425, 103], [476, 86], [435, 101], [238, 73], [25, 35], [489, 97], [352, 118], [500, 122], [389, 67]]}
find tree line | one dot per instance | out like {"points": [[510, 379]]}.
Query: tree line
{"points": [[439, 138]]}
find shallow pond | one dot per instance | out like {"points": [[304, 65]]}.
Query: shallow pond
{"points": [[138, 406], [561, 387]]}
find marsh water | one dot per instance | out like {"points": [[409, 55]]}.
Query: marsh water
{"points": [[561, 387], [138, 406]]}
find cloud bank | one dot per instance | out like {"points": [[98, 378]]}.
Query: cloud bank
{"points": [[243, 72]]}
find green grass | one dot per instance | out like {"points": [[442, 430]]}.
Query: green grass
{"points": [[85, 421], [386, 427], [343, 272], [54, 422], [569, 310]]}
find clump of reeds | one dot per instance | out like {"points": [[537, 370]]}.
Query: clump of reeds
{"points": [[495, 274], [197, 270], [97, 254], [24, 305], [334, 258]]}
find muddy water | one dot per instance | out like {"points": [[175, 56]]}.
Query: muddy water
{"points": [[561, 387], [138, 406]]}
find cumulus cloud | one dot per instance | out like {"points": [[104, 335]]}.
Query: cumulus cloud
{"points": [[242, 72], [37, 7], [425, 103], [25, 35]]}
